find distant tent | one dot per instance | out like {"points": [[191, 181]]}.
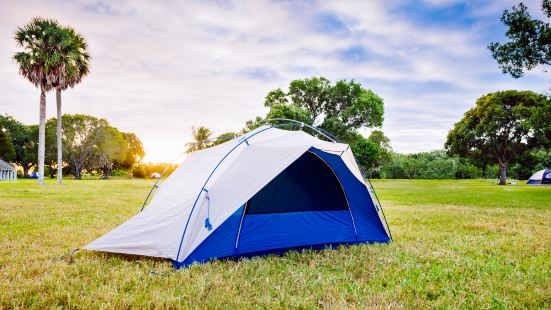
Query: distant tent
{"points": [[541, 177], [268, 191]]}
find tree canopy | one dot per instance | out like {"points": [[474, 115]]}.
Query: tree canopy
{"points": [[110, 146], [25, 142], [7, 151], [91, 143], [501, 128], [200, 135], [134, 151], [316, 101], [529, 42]]}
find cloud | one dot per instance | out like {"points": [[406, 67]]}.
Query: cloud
{"points": [[159, 68]]}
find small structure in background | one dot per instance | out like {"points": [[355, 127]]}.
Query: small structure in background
{"points": [[541, 177], [155, 175], [7, 172]]}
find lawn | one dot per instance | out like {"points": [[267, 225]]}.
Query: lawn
{"points": [[458, 244]]}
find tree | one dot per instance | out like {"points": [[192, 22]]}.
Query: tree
{"points": [[7, 151], [40, 62], [276, 96], [50, 157], [384, 151], [529, 41], [79, 140], [313, 95], [289, 111], [340, 109], [355, 106], [200, 134], [252, 125], [365, 152], [24, 140], [134, 152], [109, 146], [75, 65], [501, 128]]}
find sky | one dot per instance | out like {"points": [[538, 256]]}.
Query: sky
{"points": [[160, 67]]}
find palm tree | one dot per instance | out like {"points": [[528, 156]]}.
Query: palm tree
{"points": [[40, 62], [200, 134], [76, 62]]}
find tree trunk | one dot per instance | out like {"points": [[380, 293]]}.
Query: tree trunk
{"points": [[77, 173], [59, 146], [106, 173], [41, 136], [502, 173]]}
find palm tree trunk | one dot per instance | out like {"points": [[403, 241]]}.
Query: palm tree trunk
{"points": [[41, 136], [59, 146]]}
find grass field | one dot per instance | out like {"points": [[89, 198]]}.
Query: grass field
{"points": [[458, 244]]}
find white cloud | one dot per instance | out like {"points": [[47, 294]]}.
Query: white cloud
{"points": [[160, 67]]}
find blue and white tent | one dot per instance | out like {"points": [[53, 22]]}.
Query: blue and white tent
{"points": [[541, 177], [268, 191]]}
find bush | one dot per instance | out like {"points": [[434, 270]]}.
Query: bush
{"points": [[121, 173], [139, 172]]}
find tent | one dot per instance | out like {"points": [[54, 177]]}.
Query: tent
{"points": [[268, 191], [541, 177]]}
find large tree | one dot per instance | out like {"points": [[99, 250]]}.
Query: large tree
{"points": [[110, 146], [341, 109], [80, 139], [501, 128], [345, 104], [25, 142], [75, 65], [529, 42], [40, 62]]}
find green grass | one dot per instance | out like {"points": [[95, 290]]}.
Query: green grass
{"points": [[458, 244]]}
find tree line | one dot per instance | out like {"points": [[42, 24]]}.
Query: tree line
{"points": [[507, 131], [89, 144], [439, 164]]}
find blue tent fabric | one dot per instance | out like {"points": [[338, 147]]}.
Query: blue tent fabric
{"points": [[315, 202]]}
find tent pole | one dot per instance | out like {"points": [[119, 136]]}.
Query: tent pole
{"points": [[153, 187], [207, 180], [149, 194], [381, 206]]}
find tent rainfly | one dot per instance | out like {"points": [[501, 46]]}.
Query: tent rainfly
{"points": [[541, 177], [268, 191], [7, 172]]}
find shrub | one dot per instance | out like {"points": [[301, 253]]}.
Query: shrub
{"points": [[139, 172]]}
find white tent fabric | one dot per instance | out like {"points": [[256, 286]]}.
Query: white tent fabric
{"points": [[538, 175], [235, 170]]}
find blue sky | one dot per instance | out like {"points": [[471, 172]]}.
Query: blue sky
{"points": [[160, 67]]}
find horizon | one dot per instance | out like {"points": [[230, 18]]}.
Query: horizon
{"points": [[158, 69]]}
